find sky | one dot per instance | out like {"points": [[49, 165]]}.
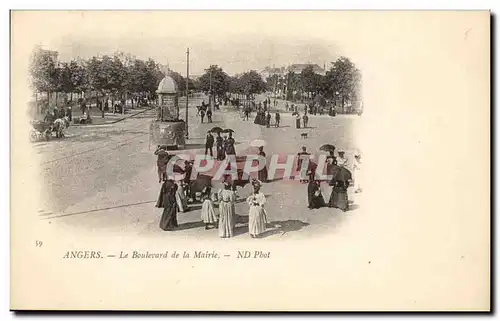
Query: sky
{"points": [[236, 41]]}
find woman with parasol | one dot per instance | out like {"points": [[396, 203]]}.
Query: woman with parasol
{"points": [[257, 214], [219, 143], [340, 182], [226, 198], [166, 200]]}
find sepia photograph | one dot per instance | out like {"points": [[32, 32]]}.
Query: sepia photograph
{"points": [[159, 156]]}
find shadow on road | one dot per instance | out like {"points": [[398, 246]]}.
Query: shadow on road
{"points": [[284, 227], [190, 225]]}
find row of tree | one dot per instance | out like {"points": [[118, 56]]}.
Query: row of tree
{"points": [[116, 76], [342, 83]]}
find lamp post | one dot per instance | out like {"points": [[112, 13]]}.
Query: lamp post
{"points": [[187, 93]]}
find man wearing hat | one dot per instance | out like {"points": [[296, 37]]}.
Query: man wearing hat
{"points": [[209, 144], [161, 162]]}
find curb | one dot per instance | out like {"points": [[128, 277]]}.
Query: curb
{"points": [[114, 121]]}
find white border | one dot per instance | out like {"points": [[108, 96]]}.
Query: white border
{"points": [[192, 4]]}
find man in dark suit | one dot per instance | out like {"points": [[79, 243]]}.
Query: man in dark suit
{"points": [[209, 143]]}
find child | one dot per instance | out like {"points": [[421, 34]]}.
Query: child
{"points": [[207, 209]]}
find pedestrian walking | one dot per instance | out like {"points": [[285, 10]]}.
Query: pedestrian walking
{"points": [[226, 211], [188, 170], [341, 159], [161, 162], [202, 114], [314, 196], [229, 147], [263, 172], [277, 118], [356, 168], [208, 215], [219, 144], [166, 200], [209, 115], [257, 216], [305, 119], [268, 120], [338, 196], [209, 144], [297, 121]]}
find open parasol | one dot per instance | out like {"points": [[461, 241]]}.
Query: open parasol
{"points": [[327, 148], [228, 130], [216, 130], [258, 143], [342, 174], [295, 113]]}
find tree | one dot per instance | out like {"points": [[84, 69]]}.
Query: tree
{"points": [[45, 77], [215, 79], [252, 83], [78, 77], [345, 79], [179, 80]]}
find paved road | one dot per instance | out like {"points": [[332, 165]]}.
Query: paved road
{"points": [[103, 178]]}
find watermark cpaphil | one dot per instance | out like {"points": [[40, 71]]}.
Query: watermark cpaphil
{"points": [[290, 167]]}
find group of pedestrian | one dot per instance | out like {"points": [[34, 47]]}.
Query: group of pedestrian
{"points": [[205, 110], [264, 117], [339, 183], [305, 120], [224, 145], [225, 220]]}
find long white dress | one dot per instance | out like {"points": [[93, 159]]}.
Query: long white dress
{"points": [[207, 212], [257, 214], [358, 176], [181, 199], [226, 213]]}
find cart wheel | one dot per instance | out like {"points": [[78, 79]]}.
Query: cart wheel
{"points": [[33, 136]]}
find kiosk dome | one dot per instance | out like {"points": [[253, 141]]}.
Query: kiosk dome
{"points": [[167, 86]]}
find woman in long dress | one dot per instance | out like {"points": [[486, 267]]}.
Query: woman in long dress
{"points": [[207, 209], [338, 197], [226, 211], [230, 145], [356, 168], [166, 200], [314, 195], [262, 175], [219, 144], [180, 198], [257, 214]]}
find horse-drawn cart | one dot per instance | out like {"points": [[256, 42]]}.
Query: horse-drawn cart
{"points": [[41, 130]]}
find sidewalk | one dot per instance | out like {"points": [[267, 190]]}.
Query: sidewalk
{"points": [[109, 118]]}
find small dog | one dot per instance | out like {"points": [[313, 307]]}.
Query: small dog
{"points": [[303, 135]]}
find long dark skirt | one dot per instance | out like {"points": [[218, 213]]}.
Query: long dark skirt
{"points": [[297, 123], [263, 175], [169, 217], [220, 153], [338, 199]]}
